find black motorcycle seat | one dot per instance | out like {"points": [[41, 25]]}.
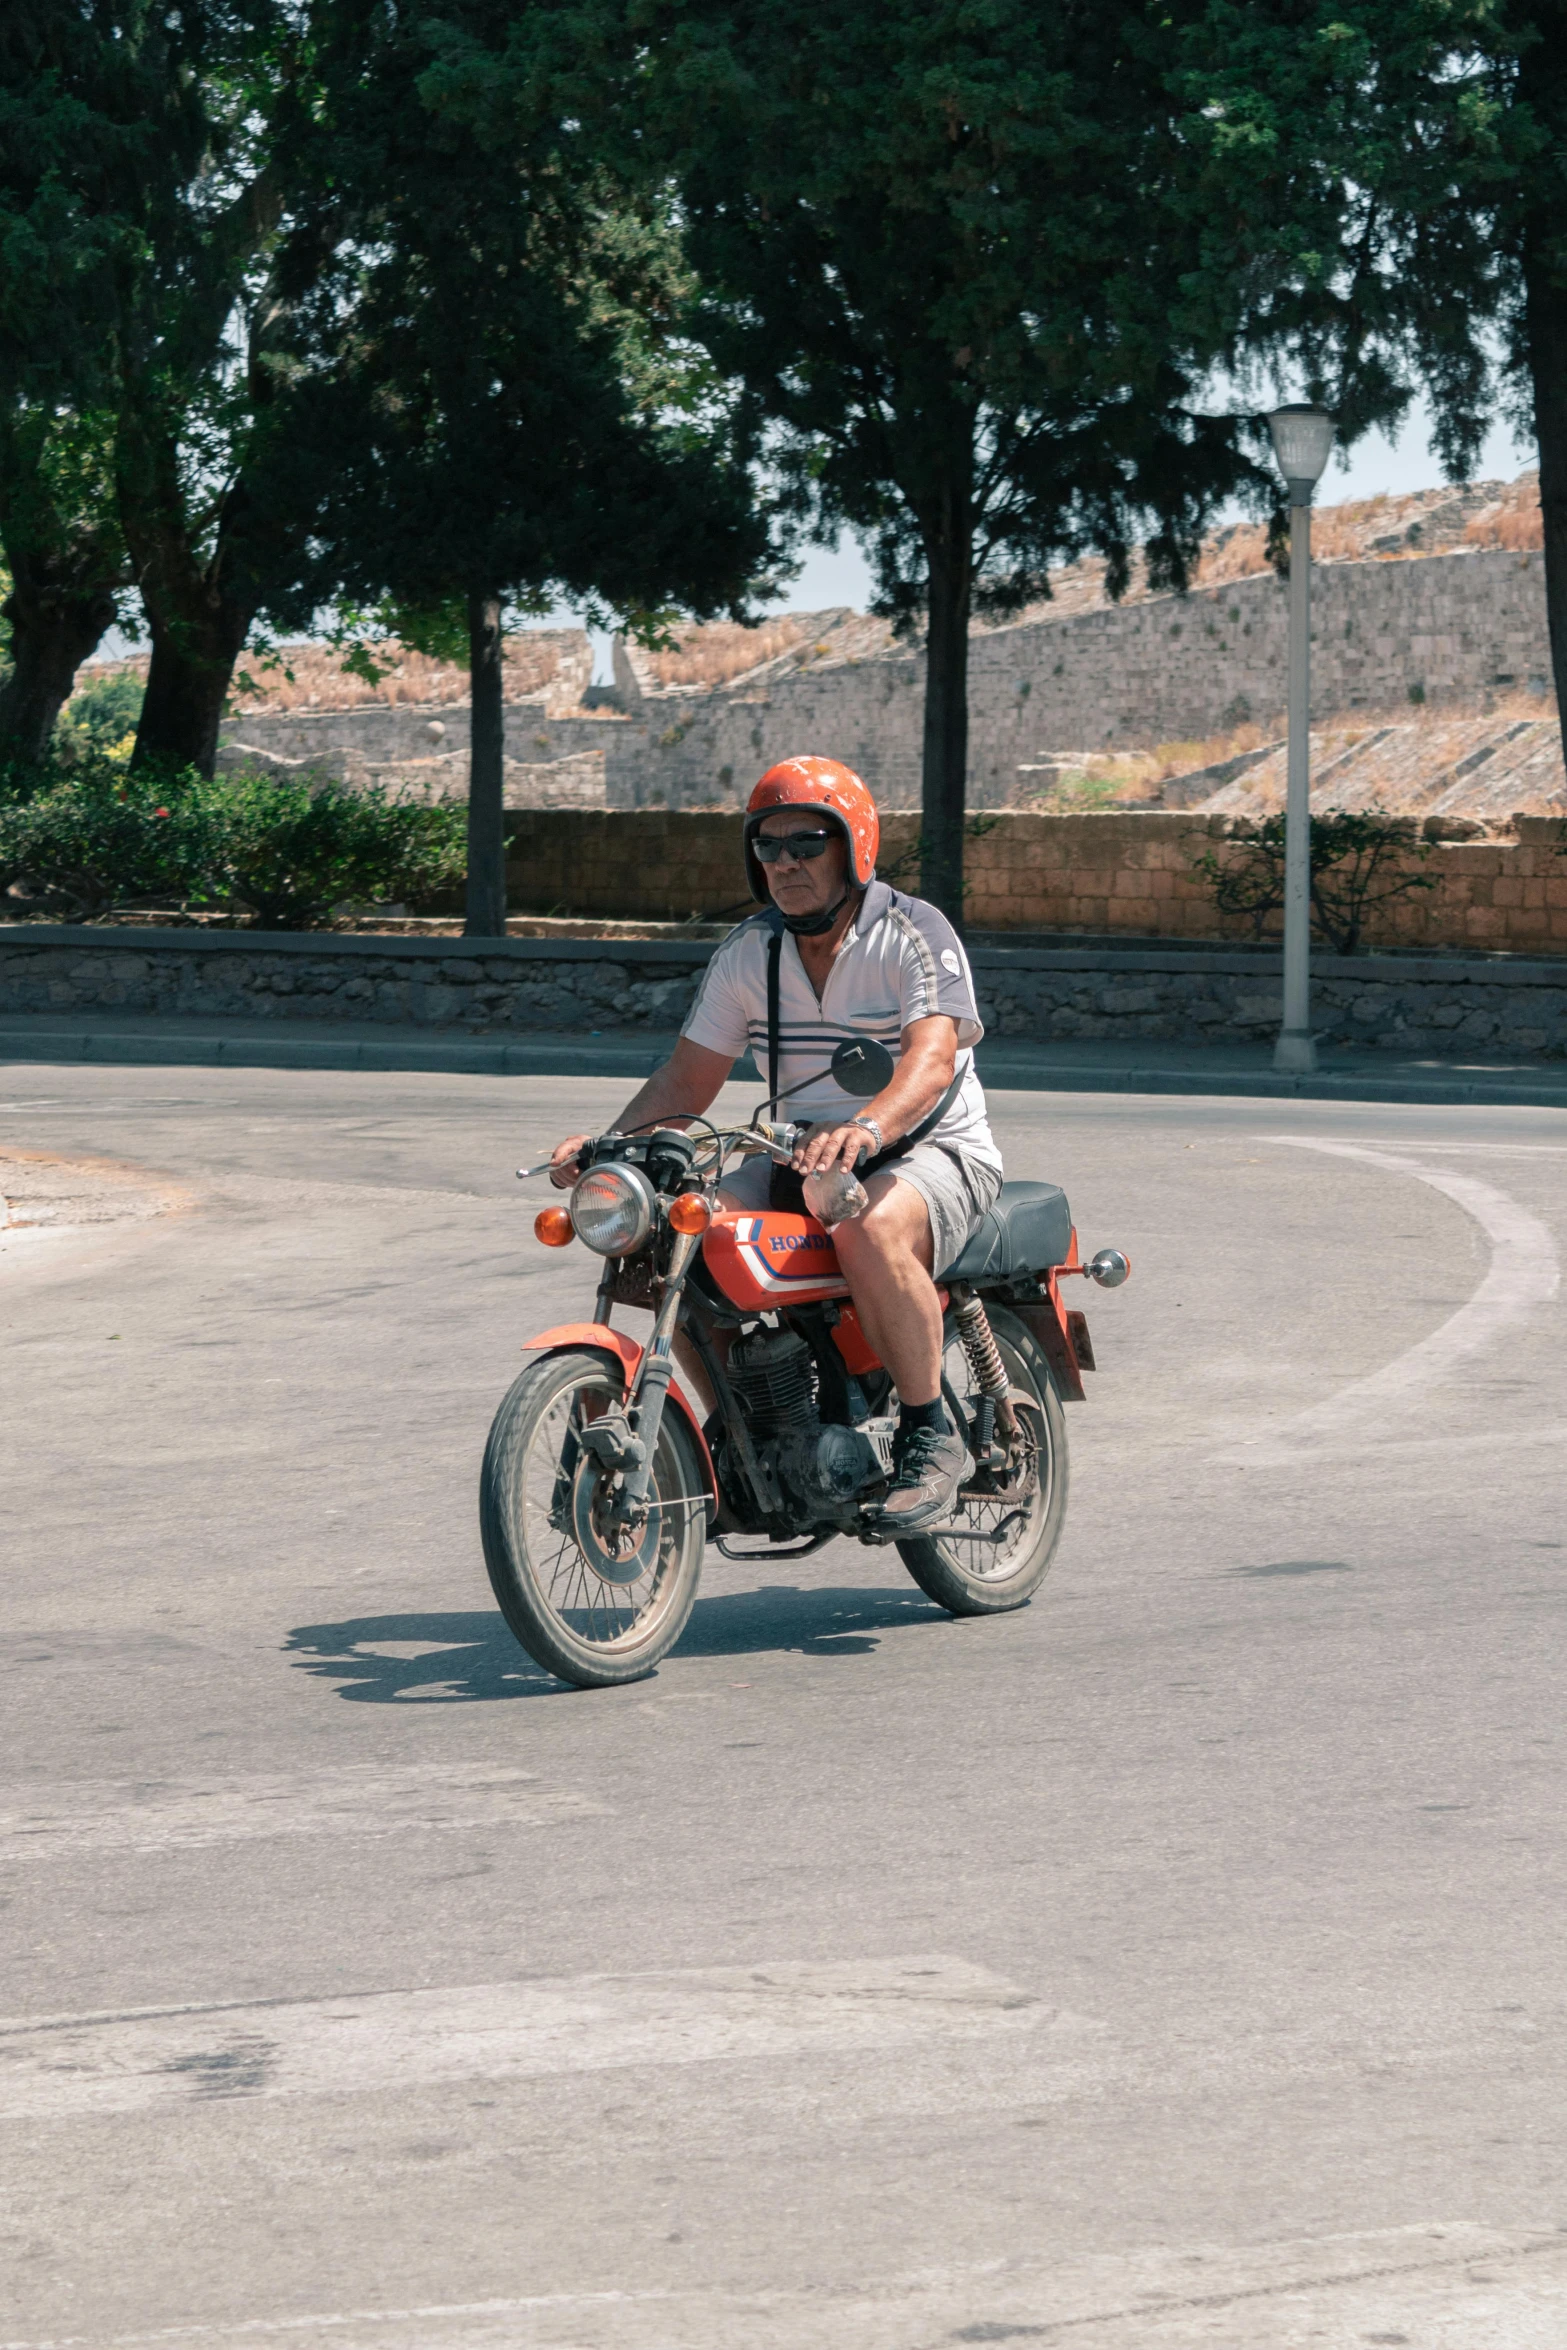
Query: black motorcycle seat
{"points": [[1029, 1227]]}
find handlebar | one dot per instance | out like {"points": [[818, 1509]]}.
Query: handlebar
{"points": [[779, 1139]]}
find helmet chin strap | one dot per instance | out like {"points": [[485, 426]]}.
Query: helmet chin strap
{"points": [[812, 925]]}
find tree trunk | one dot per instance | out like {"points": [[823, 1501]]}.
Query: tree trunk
{"points": [[187, 686], [199, 606], [944, 766], [55, 623], [486, 904]]}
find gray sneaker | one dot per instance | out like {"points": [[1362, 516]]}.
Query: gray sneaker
{"points": [[927, 1470]]}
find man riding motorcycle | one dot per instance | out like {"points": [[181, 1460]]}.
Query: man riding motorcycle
{"points": [[836, 954]]}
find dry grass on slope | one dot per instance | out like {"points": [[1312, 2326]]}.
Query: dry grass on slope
{"points": [[717, 650], [1382, 529], [556, 662]]}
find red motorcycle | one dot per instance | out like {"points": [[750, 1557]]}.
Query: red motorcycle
{"points": [[601, 1486]]}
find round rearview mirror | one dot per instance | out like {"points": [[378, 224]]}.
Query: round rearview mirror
{"points": [[862, 1067]]}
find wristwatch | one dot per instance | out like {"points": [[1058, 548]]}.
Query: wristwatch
{"points": [[872, 1129]]}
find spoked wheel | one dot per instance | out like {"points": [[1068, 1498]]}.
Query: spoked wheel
{"points": [[1017, 1525], [592, 1598]]}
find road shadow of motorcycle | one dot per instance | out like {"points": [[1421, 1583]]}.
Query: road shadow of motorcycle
{"points": [[470, 1657]]}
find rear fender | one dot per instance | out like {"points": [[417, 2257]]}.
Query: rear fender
{"points": [[628, 1355], [1062, 1333]]}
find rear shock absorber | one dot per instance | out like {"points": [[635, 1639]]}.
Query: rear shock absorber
{"points": [[978, 1341]]}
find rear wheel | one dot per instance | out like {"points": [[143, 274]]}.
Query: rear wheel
{"points": [[591, 1600], [1016, 1528]]}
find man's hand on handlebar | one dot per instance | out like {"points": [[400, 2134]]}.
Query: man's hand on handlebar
{"points": [[833, 1146], [563, 1160]]}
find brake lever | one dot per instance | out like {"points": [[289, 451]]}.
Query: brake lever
{"points": [[764, 1142]]}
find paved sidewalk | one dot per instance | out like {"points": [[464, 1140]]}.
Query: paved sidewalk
{"points": [[1062, 1066]]}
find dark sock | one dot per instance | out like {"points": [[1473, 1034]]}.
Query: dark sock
{"points": [[922, 1415]]}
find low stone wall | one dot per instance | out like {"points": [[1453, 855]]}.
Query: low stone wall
{"points": [[1370, 1002], [522, 985], [1130, 874], [512, 983]]}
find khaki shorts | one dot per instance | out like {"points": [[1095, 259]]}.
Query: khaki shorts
{"points": [[956, 1189]]}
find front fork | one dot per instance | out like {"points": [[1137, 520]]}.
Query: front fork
{"points": [[627, 1440]]}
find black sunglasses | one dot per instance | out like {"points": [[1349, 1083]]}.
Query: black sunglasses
{"points": [[802, 845]]}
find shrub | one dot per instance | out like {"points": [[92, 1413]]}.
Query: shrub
{"points": [[101, 716], [1360, 862], [87, 841], [292, 851]]}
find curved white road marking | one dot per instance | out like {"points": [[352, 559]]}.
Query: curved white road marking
{"points": [[1523, 1274]]}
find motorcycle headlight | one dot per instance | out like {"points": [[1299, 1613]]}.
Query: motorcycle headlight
{"points": [[612, 1209]]}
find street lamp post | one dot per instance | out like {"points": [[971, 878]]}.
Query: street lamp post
{"points": [[1302, 443]]}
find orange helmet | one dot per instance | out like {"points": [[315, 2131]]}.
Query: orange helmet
{"points": [[815, 783]]}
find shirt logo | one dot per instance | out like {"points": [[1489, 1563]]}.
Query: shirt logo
{"points": [[949, 961]]}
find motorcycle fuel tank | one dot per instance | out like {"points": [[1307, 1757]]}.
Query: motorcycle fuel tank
{"points": [[772, 1259]]}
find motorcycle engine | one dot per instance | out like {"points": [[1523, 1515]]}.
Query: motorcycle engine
{"points": [[826, 1469]]}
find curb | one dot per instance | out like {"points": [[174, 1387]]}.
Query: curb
{"points": [[1268, 1085], [1002, 1068], [232, 1049]]}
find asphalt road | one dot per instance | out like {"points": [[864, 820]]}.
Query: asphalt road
{"points": [[1178, 1962]]}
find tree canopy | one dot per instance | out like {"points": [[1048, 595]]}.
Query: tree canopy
{"points": [[944, 251], [307, 302], [1395, 173], [480, 378]]}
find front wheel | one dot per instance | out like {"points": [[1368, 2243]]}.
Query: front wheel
{"points": [[1002, 1563], [592, 1601]]}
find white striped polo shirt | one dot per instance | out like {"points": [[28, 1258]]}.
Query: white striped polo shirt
{"points": [[901, 961]]}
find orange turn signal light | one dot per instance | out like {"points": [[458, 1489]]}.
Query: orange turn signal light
{"points": [[691, 1212], [554, 1227]]}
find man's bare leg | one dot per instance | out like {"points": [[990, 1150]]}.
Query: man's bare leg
{"points": [[886, 1257]]}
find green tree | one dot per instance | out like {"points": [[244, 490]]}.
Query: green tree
{"points": [[483, 387], [139, 212], [942, 247], [1397, 171], [62, 239], [196, 330], [67, 563]]}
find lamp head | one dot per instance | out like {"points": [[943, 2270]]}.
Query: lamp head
{"points": [[1302, 443]]}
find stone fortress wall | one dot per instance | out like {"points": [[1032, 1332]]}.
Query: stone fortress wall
{"points": [[1453, 627], [1463, 627], [1424, 603], [1450, 627]]}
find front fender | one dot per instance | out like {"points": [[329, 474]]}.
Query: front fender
{"points": [[629, 1356]]}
